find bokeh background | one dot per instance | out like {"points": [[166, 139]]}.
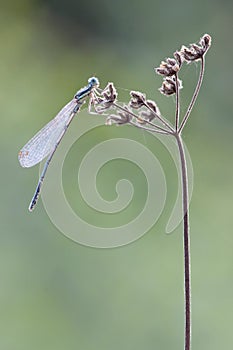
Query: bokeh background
{"points": [[57, 294]]}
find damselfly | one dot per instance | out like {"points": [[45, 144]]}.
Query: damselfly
{"points": [[46, 141]]}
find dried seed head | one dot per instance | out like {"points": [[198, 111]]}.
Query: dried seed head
{"points": [[122, 117], [170, 67], [169, 86], [195, 52], [109, 93], [153, 106], [113, 119], [137, 99], [148, 113], [178, 58], [205, 42], [106, 99]]}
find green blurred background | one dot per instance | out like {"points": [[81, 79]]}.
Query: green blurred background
{"points": [[56, 294]]}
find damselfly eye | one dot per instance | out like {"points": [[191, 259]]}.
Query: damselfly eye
{"points": [[93, 81]]}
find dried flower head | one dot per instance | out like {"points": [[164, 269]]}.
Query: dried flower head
{"points": [[178, 58], [171, 66], [169, 86], [122, 117], [149, 113], [110, 93], [153, 106], [106, 99], [137, 100], [195, 52]]}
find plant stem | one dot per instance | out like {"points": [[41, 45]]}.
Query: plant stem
{"points": [[147, 121], [186, 243], [195, 94], [164, 122], [177, 116], [150, 129]]}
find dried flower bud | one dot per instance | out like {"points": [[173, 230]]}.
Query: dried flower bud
{"points": [[171, 66], [109, 93], [148, 113], [178, 58], [137, 99], [122, 117], [112, 119], [169, 86], [106, 99], [152, 105], [195, 52], [205, 42]]}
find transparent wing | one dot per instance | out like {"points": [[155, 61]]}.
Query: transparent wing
{"points": [[42, 143]]}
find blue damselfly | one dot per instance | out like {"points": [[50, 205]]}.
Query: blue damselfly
{"points": [[46, 141]]}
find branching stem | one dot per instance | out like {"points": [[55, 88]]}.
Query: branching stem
{"points": [[137, 117], [149, 129], [160, 118], [170, 68], [195, 94]]}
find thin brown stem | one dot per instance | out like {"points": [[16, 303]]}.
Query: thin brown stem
{"points": [[149, 129], [195, 94], [137, 117], [186, 244], [160, 118], [177, 116]]}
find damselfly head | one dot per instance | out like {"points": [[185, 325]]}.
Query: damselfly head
{"points": [[93, 82]]}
